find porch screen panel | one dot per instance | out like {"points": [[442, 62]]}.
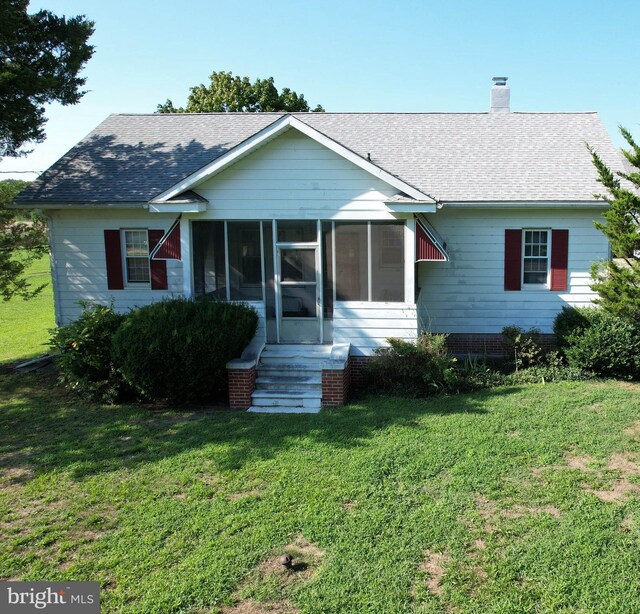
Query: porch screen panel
{"points": [[351, 262], [245, 262], [327, 269], [387, 262], [267, 231], [209, 277]]}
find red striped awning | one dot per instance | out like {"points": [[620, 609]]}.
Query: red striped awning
{"points": [[428, 249]]}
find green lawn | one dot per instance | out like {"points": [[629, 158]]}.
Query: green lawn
{"points": [[24, 325], [510, 500]]}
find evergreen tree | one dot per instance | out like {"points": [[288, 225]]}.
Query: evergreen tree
{"points": [[617, 281], [41, 56]]}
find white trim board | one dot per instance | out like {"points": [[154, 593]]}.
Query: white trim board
{"points": [[272, 131]]}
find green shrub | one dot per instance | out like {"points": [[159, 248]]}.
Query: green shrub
{"points": [[412, 369], [522, 346], [569, 321], [547, 373], [608, 346], [177, 350], [84, 361]]}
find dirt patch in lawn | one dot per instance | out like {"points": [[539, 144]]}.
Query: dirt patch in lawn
{"points": [[620, 490], [434, 566], [581, 463], [349, 505], [491, 513], [624, 463], [249, 606], [633, 430], [276, 580], [238, 496]]}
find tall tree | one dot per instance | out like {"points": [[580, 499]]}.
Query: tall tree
{"points": [[617, 281], [23, 238], [40, 58], [228, 93]]}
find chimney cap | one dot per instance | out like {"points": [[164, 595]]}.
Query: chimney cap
{"points": [[500, 80]]}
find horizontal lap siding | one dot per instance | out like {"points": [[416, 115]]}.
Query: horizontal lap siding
{"points": [[467, 294], [368, 325], [79, 255], [294, 177]]}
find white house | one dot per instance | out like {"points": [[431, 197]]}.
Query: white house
{"points": [[342, 229]]}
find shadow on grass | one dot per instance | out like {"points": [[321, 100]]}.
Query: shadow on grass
{"points": [[53, 430]]}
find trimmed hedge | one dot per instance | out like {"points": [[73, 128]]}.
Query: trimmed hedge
{"points": [[177, 350]]}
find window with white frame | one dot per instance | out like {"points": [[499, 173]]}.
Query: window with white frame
{"points": [[136, 256], [535, 259]]}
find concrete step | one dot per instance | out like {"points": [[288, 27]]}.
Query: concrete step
{"points": [[274, 383], [280, 398], [301, 349], [285, 369], [284, 410], [267, 377]]}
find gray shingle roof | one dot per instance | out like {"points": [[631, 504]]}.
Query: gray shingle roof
{"points": [[451, 156]]}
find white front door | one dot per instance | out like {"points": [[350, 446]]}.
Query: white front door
{"points": [[299, 294]]}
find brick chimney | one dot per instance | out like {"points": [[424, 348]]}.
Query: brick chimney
{"points": [[500, 95]]}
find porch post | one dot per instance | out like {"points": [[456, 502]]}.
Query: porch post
{"points": [[185, 248], [410, 260]]}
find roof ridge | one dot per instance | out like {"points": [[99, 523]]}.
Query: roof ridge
{"points": [[326, 113]]}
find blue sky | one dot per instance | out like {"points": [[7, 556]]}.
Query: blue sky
{"points": [[351, 55]]}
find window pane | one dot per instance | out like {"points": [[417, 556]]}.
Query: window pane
{"points": [[387, 266], [535, 278], [209, 260], [245, 262], [298, 264], [299, 231], [137, 270], [136, 242], [299, 301], [351, 262]]}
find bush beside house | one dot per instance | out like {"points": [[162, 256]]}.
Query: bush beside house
{"points": [[174, 350]]}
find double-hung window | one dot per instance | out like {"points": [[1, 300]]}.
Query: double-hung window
{"points": [[136, 256], [535, 259]]}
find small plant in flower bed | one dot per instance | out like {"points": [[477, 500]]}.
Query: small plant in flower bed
{"points": [[522, 346], [412, 369], [84, 361], [177, 350]]}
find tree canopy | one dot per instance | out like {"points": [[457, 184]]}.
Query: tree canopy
{"points": [[23, 238], [40, 58], [228, 93], [617, 281]]}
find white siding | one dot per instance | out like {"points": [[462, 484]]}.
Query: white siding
{"points": [[294, 177], [368, 325], [467, 294], [78, 252]]}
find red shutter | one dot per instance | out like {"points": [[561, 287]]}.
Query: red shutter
{"points": [[559, 259], [158, 267], [512, 259], [113, 253]]}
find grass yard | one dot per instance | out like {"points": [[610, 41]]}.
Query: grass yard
{"points": [[510, 500], [24, 325]]}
